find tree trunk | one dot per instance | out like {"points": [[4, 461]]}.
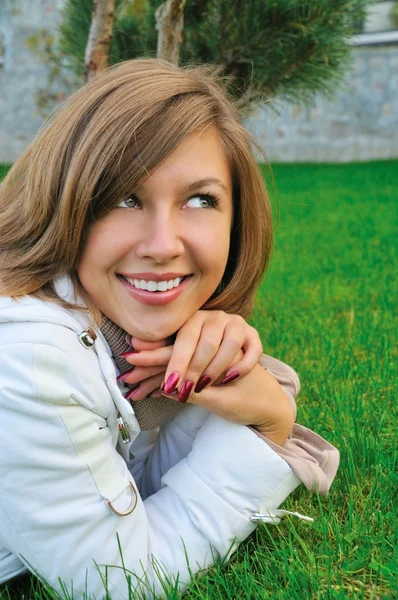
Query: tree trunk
{"points": [[99, 38], [170, 23]]}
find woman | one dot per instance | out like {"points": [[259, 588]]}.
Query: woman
{"points": [[139, 209]]}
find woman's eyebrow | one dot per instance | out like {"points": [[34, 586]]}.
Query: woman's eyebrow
{"points": [[203, 182], [195, 185]]}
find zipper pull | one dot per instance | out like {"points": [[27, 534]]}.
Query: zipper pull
{"points": [[276, 516], [123, 430]]}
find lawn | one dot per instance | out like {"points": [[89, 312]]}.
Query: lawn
{"points": [[328, 307], [3, 170]]}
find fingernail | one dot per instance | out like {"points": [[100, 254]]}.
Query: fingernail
{"points": [[170, 384], [231, 377], [185, 391], [124, 376], [128, 339], [132, 391], [127, 354], [166, 395], [202, 382]]}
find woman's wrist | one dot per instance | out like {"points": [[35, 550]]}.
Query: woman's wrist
{"points": [[275, 433], [277, 418], [279, 422]]}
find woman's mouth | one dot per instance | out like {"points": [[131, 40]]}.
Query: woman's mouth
{"points": [[154, 292], [154, 286]]}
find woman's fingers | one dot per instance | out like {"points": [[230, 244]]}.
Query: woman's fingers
{"points": [[256, 399], [148, 364], [223, 401], [211, 347], [149, 358], [145, 388], [219, 345], [137, 374], [234, 374], [196, 344], [184, 347], [142, 345], [229, 353], [252, 352]]}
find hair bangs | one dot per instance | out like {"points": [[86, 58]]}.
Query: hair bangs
{"points": [[136, 151]]}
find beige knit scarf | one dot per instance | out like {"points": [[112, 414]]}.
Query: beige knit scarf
{"points": [[150, 412]]}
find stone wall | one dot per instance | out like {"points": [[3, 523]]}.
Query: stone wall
{"points": [[21, 72], [360, 123]]}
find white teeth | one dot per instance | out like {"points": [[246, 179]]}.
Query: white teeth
{"points": [[154, 286], [162, 286]]}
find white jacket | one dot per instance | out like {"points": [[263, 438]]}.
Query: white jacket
{"points": [[64, 474]]}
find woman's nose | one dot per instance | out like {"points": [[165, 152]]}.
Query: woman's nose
{"points": [[160, 241]]}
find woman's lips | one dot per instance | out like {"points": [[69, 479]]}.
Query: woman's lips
{"points": [[155, 298]]}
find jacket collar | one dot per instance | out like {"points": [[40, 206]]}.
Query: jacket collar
{"points": [[31, 309]]}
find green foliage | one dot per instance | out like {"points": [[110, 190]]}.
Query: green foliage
{"points": [[328, 308], [271, 48], [74, 32], [127, 34]]}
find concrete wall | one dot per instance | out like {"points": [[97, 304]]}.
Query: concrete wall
{"points": [[361, 123], [21, 73], [379, 17]]}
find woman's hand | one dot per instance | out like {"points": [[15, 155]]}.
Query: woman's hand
{"points": [[256, 399], [207, 349]]}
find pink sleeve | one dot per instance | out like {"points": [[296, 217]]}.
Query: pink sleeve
{"points": [[286, 377], [312, 458]]}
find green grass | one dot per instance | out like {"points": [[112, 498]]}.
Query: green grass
{"points": [[3, 170], [328, 307]]}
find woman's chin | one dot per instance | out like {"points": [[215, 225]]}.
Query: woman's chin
{"points": [[153, 334], [149, 337]]}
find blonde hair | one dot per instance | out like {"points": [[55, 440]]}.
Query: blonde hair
{"points": [[94, 151]]}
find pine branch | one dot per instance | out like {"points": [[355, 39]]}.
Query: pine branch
{"points": [[266, 49]]}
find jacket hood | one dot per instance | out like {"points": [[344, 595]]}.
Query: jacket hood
{"points": [[29, 308]]}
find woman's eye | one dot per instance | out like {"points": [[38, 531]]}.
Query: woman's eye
{"points": [[129, 203], [202, 201]]}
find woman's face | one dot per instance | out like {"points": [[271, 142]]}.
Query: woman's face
{"points": [[169, 229]]}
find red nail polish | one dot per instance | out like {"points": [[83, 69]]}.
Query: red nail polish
{"points": [[124, 376], [165, 394], [170, 384], [231, 377], [202, 383], [127, 354], [185, 391], [132, 391]]}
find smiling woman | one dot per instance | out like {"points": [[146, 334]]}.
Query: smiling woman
{"points": [[133, 234], [159, 227]]}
